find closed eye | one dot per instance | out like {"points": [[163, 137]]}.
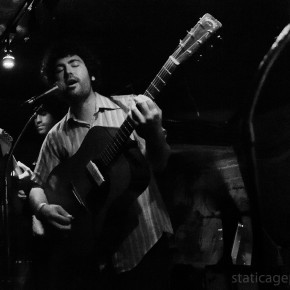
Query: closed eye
{"points": [[75, 63], [59, 69]]}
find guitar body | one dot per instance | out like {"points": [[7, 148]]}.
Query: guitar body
{"points": [[98, 207]]}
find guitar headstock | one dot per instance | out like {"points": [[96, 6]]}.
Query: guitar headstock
{"points": [[5, 141], [205, 28]]}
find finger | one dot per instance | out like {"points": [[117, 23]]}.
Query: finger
{"points": [[24, 175], [62, 220], [149, 111], [62, 212], [21, 194], [144, 99], [61, 226], [152, 105], [22, 166], [143, 107], [141, 98], [137, 116]]}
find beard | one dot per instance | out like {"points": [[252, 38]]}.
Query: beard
{"points": [[77, 95]]}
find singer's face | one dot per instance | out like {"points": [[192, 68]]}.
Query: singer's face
{"points": [[73, 72]]}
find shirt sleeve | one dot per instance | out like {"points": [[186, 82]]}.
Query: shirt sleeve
{"points": [[48, 158]]}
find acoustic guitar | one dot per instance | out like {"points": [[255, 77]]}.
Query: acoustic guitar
{"points": [[100, 182]]}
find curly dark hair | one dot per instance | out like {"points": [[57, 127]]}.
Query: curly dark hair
{"points": [[62, 48]]}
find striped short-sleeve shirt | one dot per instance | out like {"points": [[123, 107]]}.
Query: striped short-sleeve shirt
{"points": [[64, 140]]}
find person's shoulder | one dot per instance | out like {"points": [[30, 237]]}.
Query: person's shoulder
{"points": [[58, 128]]}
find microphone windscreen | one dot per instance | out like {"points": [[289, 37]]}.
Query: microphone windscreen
{"points": [[61, 86]]}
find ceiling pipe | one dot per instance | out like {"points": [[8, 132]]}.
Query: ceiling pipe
{"points": [[11, 26]]}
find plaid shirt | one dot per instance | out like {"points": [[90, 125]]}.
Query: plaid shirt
{"points": [[64, 140]]}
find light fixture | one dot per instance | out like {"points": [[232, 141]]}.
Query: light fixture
{"points": [[8, 61]]}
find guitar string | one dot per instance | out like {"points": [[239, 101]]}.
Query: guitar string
{"points": [[160, 80], [154, 85], [119, 140], [109, 153], [166, 69], [112, 149]]}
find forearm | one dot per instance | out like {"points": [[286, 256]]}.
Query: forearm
{"points": [[148, 120], [50, 213], [36, 198], [158, 150]]}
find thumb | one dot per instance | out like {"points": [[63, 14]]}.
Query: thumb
{"points": [[23, 166]]}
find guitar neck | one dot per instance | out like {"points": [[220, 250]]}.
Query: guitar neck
{"points": [[161, 78], [203, 30], [128, 126]]}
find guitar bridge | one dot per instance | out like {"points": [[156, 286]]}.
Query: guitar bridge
{"points": [[95, 173]]}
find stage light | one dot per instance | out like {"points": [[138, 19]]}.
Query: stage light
{"points": [[8, 61]]}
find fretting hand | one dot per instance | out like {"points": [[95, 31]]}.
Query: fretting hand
{"points": [[147, 116]]}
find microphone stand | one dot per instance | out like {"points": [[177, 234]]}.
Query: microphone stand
{"points": [[5, 201]]}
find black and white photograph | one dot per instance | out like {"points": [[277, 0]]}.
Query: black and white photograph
{"points": [[144, 145]]}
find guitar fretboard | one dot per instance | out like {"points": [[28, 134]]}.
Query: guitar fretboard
{"points": [[128, 126], [205, 27], [120, 139], [161, 79]]}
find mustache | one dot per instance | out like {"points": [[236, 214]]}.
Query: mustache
{"points": [[71, 80]]}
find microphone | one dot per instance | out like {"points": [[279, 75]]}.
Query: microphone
{"points": [[58, 87]]}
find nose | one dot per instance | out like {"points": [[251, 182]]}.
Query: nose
{"points": [[37, 119], [68, 72]]}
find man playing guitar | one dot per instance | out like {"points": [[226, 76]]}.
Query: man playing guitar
{"points": [[131, 254]]}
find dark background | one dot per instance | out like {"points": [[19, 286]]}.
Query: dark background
{"points": [[134, 39], [204, 101]]}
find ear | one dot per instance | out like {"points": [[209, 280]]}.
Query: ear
{"points": [[93, 78]]}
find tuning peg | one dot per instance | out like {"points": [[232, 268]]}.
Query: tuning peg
{"points": [[181, 44]]}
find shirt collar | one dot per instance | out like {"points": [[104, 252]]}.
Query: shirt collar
{"points": [[102, 103]]}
